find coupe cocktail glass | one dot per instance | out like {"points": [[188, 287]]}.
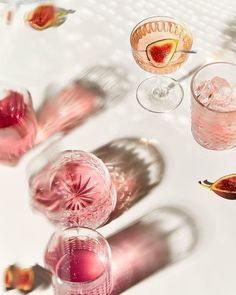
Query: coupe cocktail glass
{"points": [[75, 188], [80, 262], [160, 45], [18, 125], [214, 106]]}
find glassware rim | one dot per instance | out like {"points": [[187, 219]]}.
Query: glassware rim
{"points": [[192, 88], [160, 16]]}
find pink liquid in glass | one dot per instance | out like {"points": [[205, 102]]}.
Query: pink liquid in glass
{"points": [[18, 126], [79, 259], [78, 192], [80, 266]]}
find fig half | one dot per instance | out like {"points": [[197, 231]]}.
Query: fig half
{"points": [[46, 16], [42, 17], [24, 280], [225, 187], [160, 52]]}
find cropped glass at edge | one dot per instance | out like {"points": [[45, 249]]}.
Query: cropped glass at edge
{"points": [[214, 129], [18, 124]]}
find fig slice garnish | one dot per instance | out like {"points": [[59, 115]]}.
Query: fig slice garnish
{"points": [[160, 52], [225, 187]]}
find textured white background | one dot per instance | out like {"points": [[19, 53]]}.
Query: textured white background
{"points": [[99, 33]]}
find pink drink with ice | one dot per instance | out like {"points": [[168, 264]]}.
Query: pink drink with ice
{"points": [[18, 126], [214, 106], [75, 189]]}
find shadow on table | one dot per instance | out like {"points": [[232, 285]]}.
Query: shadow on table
{"points": [[231, 32], [136, 167], [67, 106], [160, 238]]}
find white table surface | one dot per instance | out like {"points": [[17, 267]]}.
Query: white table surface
{"points": [[99, 33]]}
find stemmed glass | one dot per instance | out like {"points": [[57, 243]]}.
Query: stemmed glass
{"points": [[160, 45]]}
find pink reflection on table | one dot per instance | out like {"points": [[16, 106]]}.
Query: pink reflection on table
{"points": [[136, 166], [70, 107], [69, 104], [162, 237]]}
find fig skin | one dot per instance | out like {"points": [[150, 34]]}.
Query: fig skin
{"points": [[224, 193], [8, 278]]}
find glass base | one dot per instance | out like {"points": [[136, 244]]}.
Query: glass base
{"points": [[160, 94]]}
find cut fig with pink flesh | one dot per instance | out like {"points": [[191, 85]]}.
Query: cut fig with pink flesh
{"points": [[225, 187], [160, 53]]}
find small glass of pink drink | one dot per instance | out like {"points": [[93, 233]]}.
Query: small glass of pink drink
{"points": [[214, 106], [75, 188], [18, 125], [80, 261]]}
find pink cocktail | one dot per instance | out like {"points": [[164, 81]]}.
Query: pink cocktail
{"points": [[18, 125], [214, 106], [75, 189], [79, 259]]}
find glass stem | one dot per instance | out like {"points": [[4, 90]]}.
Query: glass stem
{"points": [[163, 91]]}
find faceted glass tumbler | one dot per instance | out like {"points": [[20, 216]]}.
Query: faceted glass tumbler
{"points": [[75, 188], [213, 129]]}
